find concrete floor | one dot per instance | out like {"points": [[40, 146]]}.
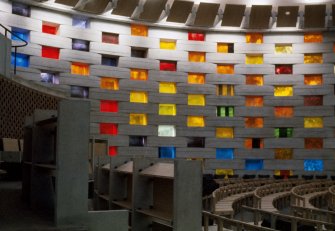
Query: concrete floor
{"points": [[15, 215]]}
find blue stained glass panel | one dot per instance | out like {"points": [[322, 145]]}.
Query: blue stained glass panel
{"points": [[253, 164], [313, 165], [22, 60], [167, 152], [224, 153]]}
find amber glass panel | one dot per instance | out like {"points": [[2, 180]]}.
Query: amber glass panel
{"points": [[283, 48], [167, 109], [225, 90], [139, 30], [138, 97], [225, 69], [284, 173], [313, 143], [222, 47], [313, 80], [195, 121], [225, 133], [109, 83], [254, 38], [283, 91], [313, 38], [254, 80], [313, 58], [254, 59], [254, 101], [80, 69], [196, 56], [253, 122], [313, 122], [283, 153], [194, 78], [314, 100], [138, 74], [283, 111], [253, 143]]}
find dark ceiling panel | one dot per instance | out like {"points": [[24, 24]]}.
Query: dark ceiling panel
{"points": [[315, 16], [96, 7], [287, 16], [260, 16], [67, 2], [125, 7], [152, 9], [333, 15], [233, 15], [179, 11], [206, 14]]}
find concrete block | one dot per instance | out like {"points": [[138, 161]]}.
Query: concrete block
{"points": [[225, 58], [206, 89], [329, 143], [108, 71], [119, 118], [141, 63], [283, 79], [195, 152], [196, 67], [294, 122], [167, 98], [99, 220], [283, 58], [49, 64], [329, 58], [265, 69], [225, 79], [168, 76], [137, 130], [253, 132], [250, 90], [97, 93], [20, 22], [6, 6], [314, 132], [166, 33], [196, 110], [283, 164], [251, 48], [214, 121], [225, 100], [138, 85], [284, 38], [80, 56], [224, 164], [85, 34], [139, 151], [313, 90], [283, 101], [284, 143], [30, 49], [195, 132], [302, 154], [264, 154], [127, 107], [86, 81], [302, 48], [242, 111], [52, 16], [109, 49], [155, 141], [314, 111], [50, 40], [227, 38], [328, 100], [107, 26], [177, 120], [212, 142], [139, 41], [171, 55], [313, 68], [198, 46]]}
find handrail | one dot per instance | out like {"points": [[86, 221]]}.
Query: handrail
{"points": [[221, 221], [258, 213], [15, 46], [314, 213], [331, 200]]}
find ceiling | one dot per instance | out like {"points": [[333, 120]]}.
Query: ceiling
{"points": [[208, 14]]}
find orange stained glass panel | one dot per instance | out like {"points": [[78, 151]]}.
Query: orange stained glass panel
{"points": [[313, 38], [139, 30], [313, 80], [253, 122], [254, 38], [254, 101], [222, 47], [248, 143], [80, 69], [194, 78], [225, 69], [109, 83], [254, 80], [283, 111]]}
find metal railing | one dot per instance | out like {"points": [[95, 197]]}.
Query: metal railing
{"points": [[25, 43]]}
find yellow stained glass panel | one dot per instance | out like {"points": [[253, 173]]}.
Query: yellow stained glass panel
{"points": [[139, 30], [313, 58], [225, 69], [283, 91], [313, 80], [138, 97], [167, 109], [222, 172], [138, 119], [225, 133], [313, 122], [167, 44], [196, 100], [254, 38], [254, 59], [80, 69], [196, 56], [138, 74], [283, 49], [196, 78], [167, 88], [222, 48], [109, 83], [283, 153], [195, 121]]}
